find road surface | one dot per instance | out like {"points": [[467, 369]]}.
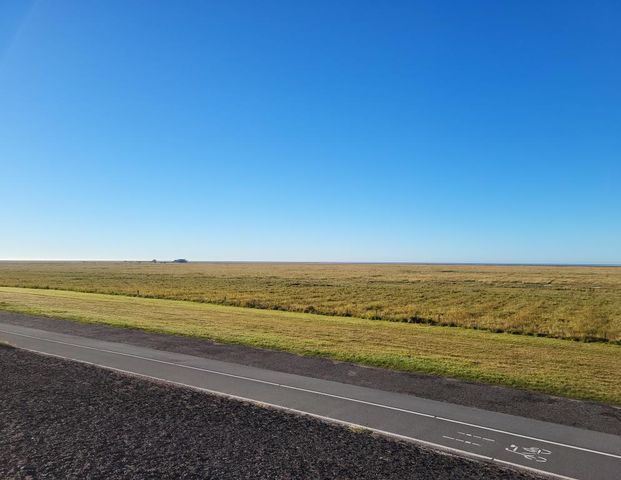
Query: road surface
{"points": [[552, 449]]}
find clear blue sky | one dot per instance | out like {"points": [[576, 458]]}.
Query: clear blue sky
{"points": [[468, 131]]}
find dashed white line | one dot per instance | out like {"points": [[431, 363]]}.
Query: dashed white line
{"points": [[476, 436], [468, 442]]}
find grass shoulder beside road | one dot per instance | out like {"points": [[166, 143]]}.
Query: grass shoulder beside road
{"points": [[573, 369]]}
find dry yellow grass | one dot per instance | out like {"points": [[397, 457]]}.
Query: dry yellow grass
{"points": [[574, 369], [564, 302]]}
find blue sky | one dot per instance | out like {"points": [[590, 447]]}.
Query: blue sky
{"points": [[459, 131]]}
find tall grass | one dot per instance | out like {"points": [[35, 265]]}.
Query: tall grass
{"points": [[582, 303]]}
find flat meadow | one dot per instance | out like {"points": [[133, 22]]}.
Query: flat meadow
{"points": [[477, 322], [578, 303]]}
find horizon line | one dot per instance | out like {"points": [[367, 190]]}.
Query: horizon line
{"points": [[328, 262]]}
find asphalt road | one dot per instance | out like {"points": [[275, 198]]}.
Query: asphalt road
{"points": [[552, 449]]}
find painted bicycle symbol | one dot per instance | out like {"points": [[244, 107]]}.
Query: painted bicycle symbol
{"points": [[530, 453]]}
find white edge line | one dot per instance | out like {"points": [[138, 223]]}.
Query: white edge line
{"points": [[311, 391], [232, 375], [314, 415], [266, 404]]}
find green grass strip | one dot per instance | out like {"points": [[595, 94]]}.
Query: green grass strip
{"points": [[572, 369]]}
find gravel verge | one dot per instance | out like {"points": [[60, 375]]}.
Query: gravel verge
{"points": [[62, 419], [582, 414]]}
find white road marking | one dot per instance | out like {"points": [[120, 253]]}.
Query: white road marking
{"points": [[241, 377], [530, 453], [597, 452], [476, 436], [313, 415], [530, 438], [462, 441]]}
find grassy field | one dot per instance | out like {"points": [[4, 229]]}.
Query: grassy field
{"points": [[574, 369], [581, 303]]}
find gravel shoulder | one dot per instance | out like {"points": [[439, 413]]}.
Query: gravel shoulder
{"points": [[582, 414], [62, 419]]}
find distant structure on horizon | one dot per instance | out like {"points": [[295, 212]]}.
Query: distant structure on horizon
{"points": [[180, 260]]}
